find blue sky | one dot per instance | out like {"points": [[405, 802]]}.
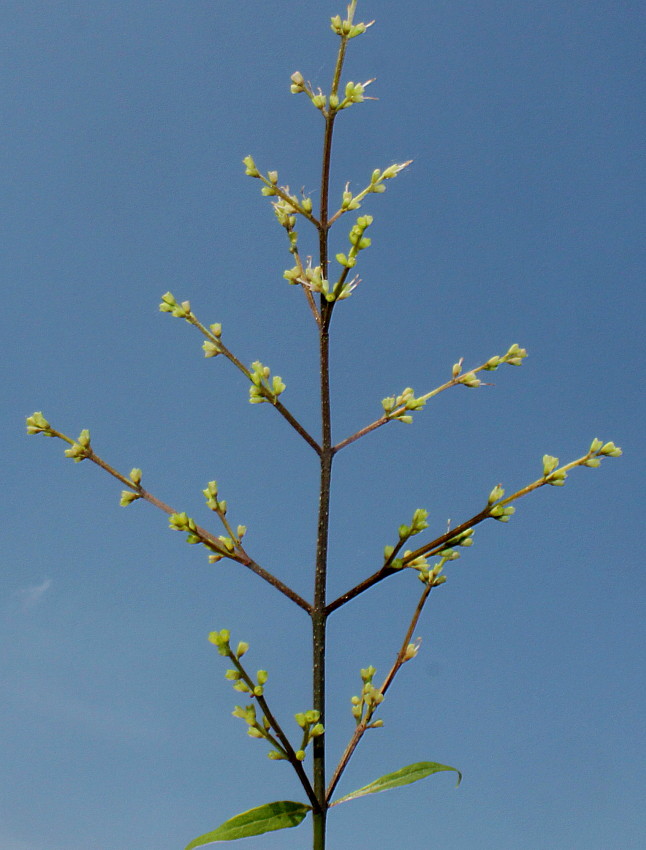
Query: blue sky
{"points": [[521, 220]]}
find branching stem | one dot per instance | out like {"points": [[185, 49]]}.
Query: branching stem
{"points": [[240, 556], [444, 540], [364, 724]]}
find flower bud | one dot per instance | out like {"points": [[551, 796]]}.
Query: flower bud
{"points": [[250, 167], [496, 494], [549, 464]]}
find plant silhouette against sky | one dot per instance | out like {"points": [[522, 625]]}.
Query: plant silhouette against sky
{"points": [[324, 282]]}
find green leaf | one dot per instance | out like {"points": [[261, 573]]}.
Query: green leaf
{"points": [[271, 816], [405, 776]]}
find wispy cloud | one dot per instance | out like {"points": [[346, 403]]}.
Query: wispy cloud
{"points": [[33, 595]]}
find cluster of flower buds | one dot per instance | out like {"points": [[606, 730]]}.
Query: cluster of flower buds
{"points": [[418, 524], [599, 449], [469, 379], [37, 424], [239, 684], [170, 305], [551, 474], [129, 496], [432, 576], [299, 85], [514, 357], [255, 729], [289, 204], [309, 723], [261, 390], [211, 496], [376, 185], [313, 279], [464, 538], [502, 513], [211, 347], [354, 93], [81, 448], [395, 407], [244, 683], [358, 242], [284, 212], [346, 28], [364, 706], [219, 506], [183, 522], [224, 546]]}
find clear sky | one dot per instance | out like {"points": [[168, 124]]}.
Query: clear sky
{"points": [[522, 219]]}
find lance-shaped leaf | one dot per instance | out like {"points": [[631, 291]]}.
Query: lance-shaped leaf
{"points": [[405, 776], [280, 815]]}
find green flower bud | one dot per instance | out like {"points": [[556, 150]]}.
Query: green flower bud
{"points": [[262, 676], [168, 303], [469, 379], [277, 385], [127, 497], [411, 651], [496, 494], [611, 450], [493, 363], [233, 675], [549, 464], [250, 167], [317, 730], [274, 755], [595, 445], [515, 355], [557, 478], [367, 673], [300, 755], [37, 424], [298, 83], [336, 24], [242, 649]]}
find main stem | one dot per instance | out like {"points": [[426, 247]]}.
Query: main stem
{"points": [[319, 614]]}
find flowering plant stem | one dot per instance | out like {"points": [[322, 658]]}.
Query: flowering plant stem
{"points": [[265, 388]]}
